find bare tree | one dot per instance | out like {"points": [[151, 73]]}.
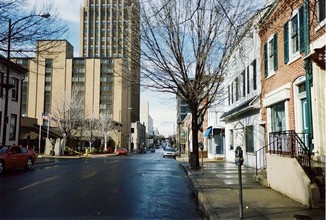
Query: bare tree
{"points": [[68, 113], [183, 48], [25, 27], [92, 126], [106, 124]]}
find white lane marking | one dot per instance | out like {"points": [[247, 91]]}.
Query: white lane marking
{"points": [[36, 183]]}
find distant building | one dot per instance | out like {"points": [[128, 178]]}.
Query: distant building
{"points": [[147, 120]]}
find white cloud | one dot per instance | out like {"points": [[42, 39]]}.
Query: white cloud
{"points": [[68, 10]]}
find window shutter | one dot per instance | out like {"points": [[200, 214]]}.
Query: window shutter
{"points": [[302, 26], [275, 52], [265, 60], [286, 42]]}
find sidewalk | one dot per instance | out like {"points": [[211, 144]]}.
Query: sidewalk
{"points": [[217, 190]]}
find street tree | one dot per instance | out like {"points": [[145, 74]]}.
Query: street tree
{"points": [[106, 125], [92, 129], [68, 113], [183, 48]]}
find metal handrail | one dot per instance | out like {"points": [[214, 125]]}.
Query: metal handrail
{"points": [[263, 163], [291, 143], [285, 143]]}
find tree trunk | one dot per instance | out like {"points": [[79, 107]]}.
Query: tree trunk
{"points": [[194, 126], [105, 143]]}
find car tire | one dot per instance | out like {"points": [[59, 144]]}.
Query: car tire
{"points": [[29, 163], [2, 167]]}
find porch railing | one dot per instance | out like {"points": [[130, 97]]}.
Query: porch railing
{"points": [[287, 143], [292, 144]]}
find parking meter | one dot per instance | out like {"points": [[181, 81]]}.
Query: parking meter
{"points": [[239, 162], [201, 146], [239, 156]]}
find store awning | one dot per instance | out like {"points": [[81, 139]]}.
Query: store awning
{"points": [[245, 106], [208, 131]]}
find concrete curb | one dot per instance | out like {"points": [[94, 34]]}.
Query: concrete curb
{"points": [[201, 197]]}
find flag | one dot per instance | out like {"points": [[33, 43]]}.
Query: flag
{"points": [[45, 116], [49, 117]]}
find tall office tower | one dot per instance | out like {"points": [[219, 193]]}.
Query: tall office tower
{"points": [[110, 29]]}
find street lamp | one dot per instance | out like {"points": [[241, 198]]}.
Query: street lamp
{"points": [[7, 86]]}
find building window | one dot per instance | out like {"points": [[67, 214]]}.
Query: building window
{"points": [[270, 56], [47, 85], [254, 74], [278, 117], [13, 126], [321, 10], [232, 92], [237, 89], [231, 139], [295, 34], [243, 76], [249, 139], [14, 90], [229, 95], [248, 81]]}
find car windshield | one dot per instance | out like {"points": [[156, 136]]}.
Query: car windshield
{"points": [[4, 149], [169, 149]]}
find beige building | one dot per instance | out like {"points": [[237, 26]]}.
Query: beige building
{"points": [[107, 74], [55, 73], [110, 28]]}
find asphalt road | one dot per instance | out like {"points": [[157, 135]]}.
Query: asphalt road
{"points": [[137, 186]]}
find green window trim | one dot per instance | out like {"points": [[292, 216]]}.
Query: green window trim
{"points": [[302, 25], [275, 52], [286, 42], [265, 60]]}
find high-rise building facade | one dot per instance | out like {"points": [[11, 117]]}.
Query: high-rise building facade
{"points": [[110, 28], [106, 75]]}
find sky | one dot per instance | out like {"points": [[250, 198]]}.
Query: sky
{"points": [[162, 107]]}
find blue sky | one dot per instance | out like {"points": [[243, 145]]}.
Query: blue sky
{"points": [[162, 107]]}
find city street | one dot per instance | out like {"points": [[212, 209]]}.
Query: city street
{"points": [[137, 186]]}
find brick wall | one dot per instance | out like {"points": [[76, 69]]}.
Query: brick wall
{"points": [[286, 73]]}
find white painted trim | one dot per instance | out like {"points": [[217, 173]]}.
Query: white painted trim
{"points": [[280, 94], [297, 103]]}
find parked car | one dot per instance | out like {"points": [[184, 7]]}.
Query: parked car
{"points": [[169, 152], [152, 150], [16, 156], [121, 151]]}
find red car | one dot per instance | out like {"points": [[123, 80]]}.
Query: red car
{"points": [[16, 156], [121, 151]]}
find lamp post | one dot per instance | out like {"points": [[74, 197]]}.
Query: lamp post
{"points": [[7, 86]]}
